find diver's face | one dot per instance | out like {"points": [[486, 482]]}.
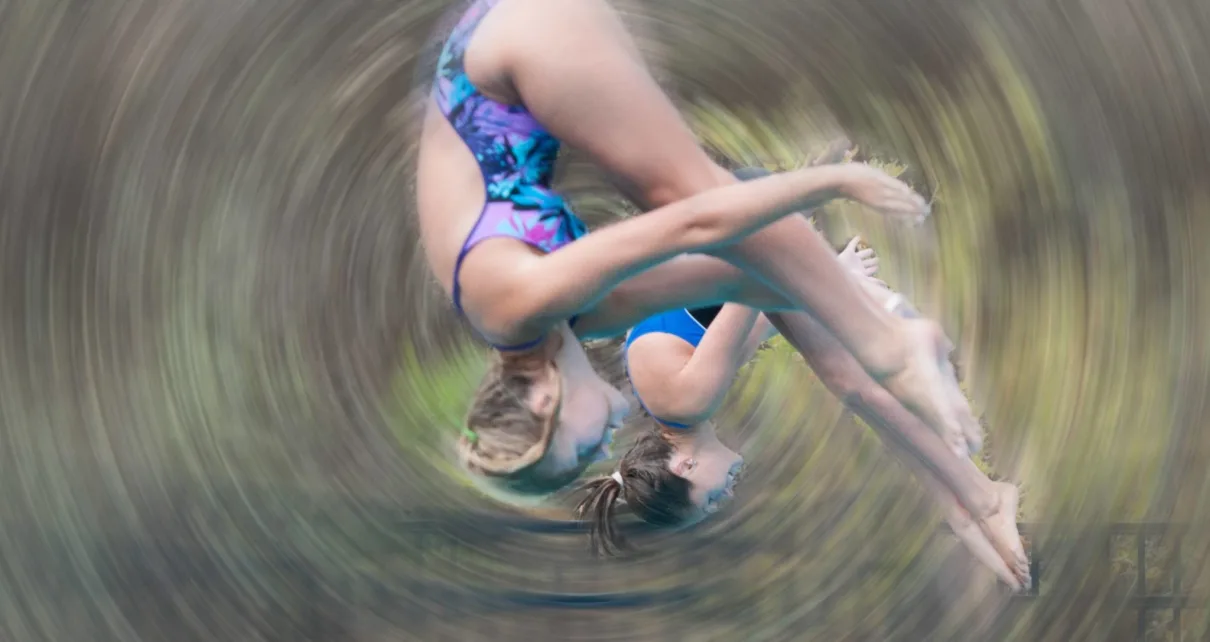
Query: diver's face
{"points": [[590, 413], [710, 467]]}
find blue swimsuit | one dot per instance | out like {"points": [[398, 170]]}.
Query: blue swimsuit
{"points": [[688, 325]]}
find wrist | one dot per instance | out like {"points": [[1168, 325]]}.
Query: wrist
{"points": [[841, 180], [825, 183]]}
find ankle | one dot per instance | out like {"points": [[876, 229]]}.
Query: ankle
{"points": [[984, 506], [888, 356]]}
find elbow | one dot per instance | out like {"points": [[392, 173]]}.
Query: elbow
{"points": [[693, 210], [693, 411], [687, 409], [703, 224], [513, 309], [501, 320]]}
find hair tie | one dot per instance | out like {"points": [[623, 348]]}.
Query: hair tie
{"points": [[620, 500]]}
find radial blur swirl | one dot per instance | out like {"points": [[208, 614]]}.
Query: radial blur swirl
{"points": [[231, 385]]}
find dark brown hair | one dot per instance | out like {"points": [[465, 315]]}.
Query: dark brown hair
{"points": [[650, 489]]}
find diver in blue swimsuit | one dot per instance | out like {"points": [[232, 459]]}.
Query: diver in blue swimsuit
{"points": [[681, 365]]}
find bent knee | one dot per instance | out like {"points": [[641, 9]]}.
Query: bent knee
{"points": [[745, 289]]}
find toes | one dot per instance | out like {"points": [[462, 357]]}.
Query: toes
{"points": [[936, 403], [947, 422], [951, 431], [1025, 580], [971, 430]]}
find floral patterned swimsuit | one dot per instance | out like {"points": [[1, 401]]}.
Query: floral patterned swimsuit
{"points": [[515, 154]]}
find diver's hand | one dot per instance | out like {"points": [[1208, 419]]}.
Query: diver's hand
{"points": [[863, 263], [881, 191]]}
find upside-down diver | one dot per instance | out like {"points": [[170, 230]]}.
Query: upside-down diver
{"points": [[518, 78], [681, 365]]}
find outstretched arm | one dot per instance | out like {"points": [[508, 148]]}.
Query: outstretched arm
{"points": [[585, 82], [689, 387], [719, 359], [578, 275]]}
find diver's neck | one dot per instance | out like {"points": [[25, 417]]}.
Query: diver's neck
{"points": [[683, 436], [537, 356]]}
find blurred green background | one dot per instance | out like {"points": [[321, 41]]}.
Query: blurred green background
{"points": [[231, 387]]}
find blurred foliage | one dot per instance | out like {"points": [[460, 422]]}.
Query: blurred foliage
{"points": [[228, 386]]}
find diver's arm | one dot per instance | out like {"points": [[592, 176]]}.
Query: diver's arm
{"points": [[702, 384], [584, 81], [729, 343], [762, 331], [577, 276], [690, 390]]}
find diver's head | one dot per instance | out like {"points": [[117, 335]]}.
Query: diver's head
{"points": [[668, 478], [540, 417]]}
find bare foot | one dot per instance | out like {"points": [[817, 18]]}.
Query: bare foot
{"points": [[927, 387], [971, 428], [862, 263], [995, 541], [975, 541], [1001, 530]]}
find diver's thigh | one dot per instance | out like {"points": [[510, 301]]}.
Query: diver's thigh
{"points": [[687, 281], [576, 68], [696, 280], [785, 233]]}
